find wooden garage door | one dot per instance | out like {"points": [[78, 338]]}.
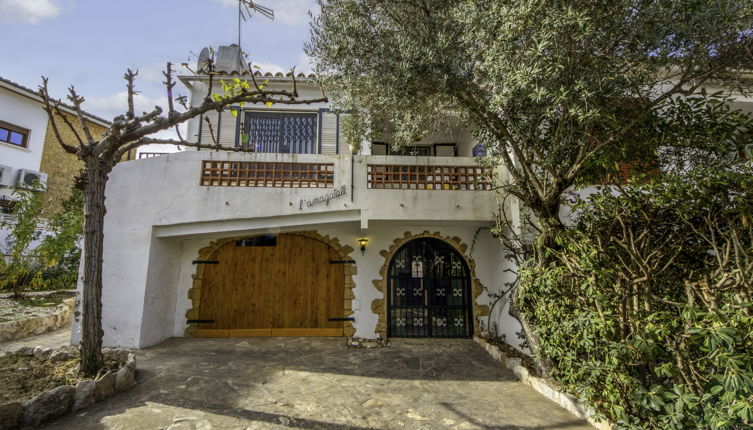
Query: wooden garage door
{"points": [[260, 288]]}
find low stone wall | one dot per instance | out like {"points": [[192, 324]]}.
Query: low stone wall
{"points": [[544, 387], [26, 327], [67, 398]]}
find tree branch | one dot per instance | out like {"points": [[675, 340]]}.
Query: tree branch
{"points": [[68, 123], [130, 77], [169, 84], [163, 123], [149, 141], [211, 131], [46, 97], [77, 101]]}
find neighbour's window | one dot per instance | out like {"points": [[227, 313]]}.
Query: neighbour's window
{"points": [[13, 134], [380, 148], [424, 150], [445, 149], [281, 132]]}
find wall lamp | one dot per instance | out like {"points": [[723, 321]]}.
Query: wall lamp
{"points": [[363, 241]]}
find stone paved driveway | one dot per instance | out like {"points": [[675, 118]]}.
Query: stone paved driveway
{"points": [[318, 383]]}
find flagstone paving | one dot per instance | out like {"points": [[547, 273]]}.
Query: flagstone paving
{"points": [[315, 383]]}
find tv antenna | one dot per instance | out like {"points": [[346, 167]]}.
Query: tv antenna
{"points": [[246, 9]]}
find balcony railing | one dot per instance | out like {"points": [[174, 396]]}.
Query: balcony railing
{"points": [[267, 174], [151, 154], [369, 172], [418, 177]]}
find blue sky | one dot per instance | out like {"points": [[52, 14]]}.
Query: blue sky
{"points": [[90, 43]]}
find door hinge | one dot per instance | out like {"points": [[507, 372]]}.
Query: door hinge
{"points": [[206, 262], [342, 262], [342, 319]]}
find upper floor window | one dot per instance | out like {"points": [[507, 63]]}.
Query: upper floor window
{"points": [[281, 132], [14, 134], [436, 149]]}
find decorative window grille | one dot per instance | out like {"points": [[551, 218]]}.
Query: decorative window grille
{"points": [[267, 174], [281, 132], [407, 177]]}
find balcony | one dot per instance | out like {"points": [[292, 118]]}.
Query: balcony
{"points": [[297, 189], [382, 172]]}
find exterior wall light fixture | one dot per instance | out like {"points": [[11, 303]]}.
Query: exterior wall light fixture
{"points": [[363, 241]]}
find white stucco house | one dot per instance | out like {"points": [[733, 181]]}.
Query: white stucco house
{"points": [[301, 237]]}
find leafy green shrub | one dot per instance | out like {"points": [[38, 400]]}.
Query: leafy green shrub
{"points": [[19, 270], [645, 311], [61, 249], [54, 263]]}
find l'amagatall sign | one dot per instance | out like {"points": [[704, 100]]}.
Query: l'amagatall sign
{"points": [[336, 193]]}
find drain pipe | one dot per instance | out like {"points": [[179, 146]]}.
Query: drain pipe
{"points": [[352, 168]]}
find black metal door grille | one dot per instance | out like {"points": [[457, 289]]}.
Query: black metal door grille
{"points": [[429, 291]]}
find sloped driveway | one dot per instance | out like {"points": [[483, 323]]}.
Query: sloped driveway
{"points": [[317, 383]]}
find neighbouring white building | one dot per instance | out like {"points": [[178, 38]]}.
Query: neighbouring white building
{"points": [[23, 126], [301, 237], [29, 153]]}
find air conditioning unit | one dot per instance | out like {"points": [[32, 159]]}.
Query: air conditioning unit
{"points": [[6, 180], [28, 179]]}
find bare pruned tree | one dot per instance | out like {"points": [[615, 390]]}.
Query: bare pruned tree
{"points": [[126, 133]]}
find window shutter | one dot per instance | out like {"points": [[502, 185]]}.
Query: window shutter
{"points": [[227, 128], [206, 136], [329, 133]]}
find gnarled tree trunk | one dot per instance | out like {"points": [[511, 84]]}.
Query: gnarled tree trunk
{"points": [[94, 214]]}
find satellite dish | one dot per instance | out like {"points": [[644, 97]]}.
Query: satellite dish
{"points": [[202, 62]]}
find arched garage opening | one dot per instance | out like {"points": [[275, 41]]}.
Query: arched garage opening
{"points": [[429, 291], [274, 285]]}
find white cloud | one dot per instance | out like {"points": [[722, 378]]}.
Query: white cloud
{"points": [[269, 67], [153, 73], [28, 11], [304, 66], [288, 12]]}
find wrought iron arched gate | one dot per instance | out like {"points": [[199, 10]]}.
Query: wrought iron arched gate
{"points": [[429, 291]]}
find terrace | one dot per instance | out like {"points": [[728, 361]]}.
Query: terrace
{"points": [[330, 188]]}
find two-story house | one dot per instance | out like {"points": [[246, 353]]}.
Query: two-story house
{"points": [[301, 236], [29, 152]]}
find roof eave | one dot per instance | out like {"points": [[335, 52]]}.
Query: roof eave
{"points": [[30, 94]]}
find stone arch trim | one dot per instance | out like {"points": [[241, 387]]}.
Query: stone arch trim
{"points": [[194, 293], [379, 306]]}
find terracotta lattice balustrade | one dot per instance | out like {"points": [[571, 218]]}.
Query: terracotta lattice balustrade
{"points": [[411, 177], [267, 174]]}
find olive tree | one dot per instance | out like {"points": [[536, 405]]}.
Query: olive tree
{"points": [[126, 133], [555, 89]]}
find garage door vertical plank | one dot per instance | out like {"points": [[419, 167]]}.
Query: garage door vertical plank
{"points": [[285, 289]]}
